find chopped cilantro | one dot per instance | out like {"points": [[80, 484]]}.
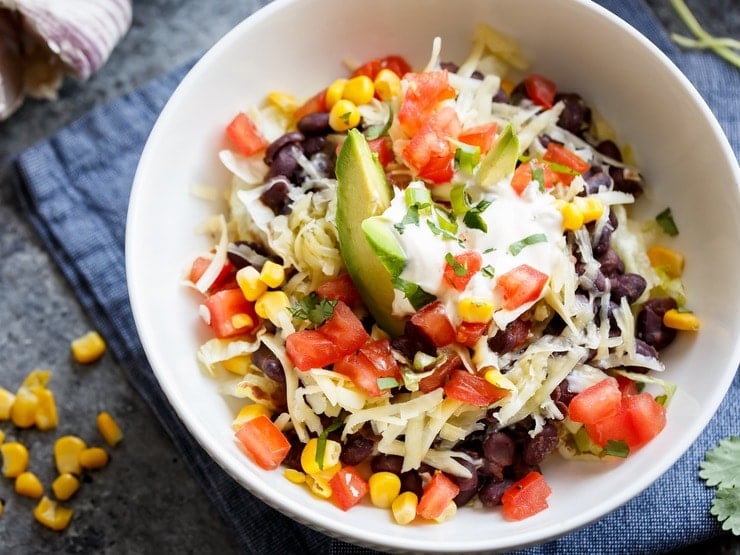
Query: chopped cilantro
{"points": [[616, 448], [321, 441], [516, 248], [446, 235], [413, 292], [667, 223], [488, 271], [538, 174], [721, 468], [313, 308], [411, 217], [459, 269]]}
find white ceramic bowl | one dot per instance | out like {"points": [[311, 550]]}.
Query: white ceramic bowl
{"points": [[297, 46]]}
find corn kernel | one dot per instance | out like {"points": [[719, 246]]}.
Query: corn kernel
{"points": [[285, 102], [2, 437], [494, 376], [591, 208], [36, 378], [52, 515], [15, 458], [272, 274], [359, 89], [572, 215], [477, 311], [242, 320], [384, 488], [248, 279], [404, 507], [332, 450], [449, 511], [108, 428], [46, 410], [238, 365], [295, 476], [247, 413], [65, 486], [23, 411], [67, 451], [88, 348], [6, 402], [507, 85], [93, 458], [319, 485], [271, 304], [28, 485], [670, 261], [685, 321], [334, 92], [387, 84], [344, 115]]}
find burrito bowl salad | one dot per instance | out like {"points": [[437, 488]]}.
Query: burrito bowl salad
{"points": [[428, 281]]}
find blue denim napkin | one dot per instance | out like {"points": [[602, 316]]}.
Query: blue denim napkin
{"points": [[75, 188]]}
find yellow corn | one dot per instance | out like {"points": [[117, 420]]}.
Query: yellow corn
{"points": [[285, 102], [6, 402], [36, 378], [2, 437], [404, 507], [67, 451], [247, 413], [384, 488], [2, 506], [572, 215], [319, 485], [330, 460], [23, 411], [271, 304], [359, 89], [334, 92], [52, 515], [387, 84], [65, 486], [344, 115], [108, 428], [88, 348], [238, 365], [295, 476], [248, 279], [494, 376], [591, 208], [685, 321], [93, 458], [272, 274], [475, 310], [46, 410], [449, 511], [15, 459], [28, 485], [670, 261], [507, 85], [242, 320]]}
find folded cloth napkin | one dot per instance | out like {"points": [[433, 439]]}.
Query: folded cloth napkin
{"points": [[75, 188]]}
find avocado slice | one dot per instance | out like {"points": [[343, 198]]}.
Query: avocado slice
{"points": [[364, 192], [383, 242], [501, 159]]}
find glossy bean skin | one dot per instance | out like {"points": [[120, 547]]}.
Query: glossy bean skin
{"points": [[316, 123], [276, 198], [275, 146], [596, 179], [600, 244], [540, 446], [611, 264], [468, 486], [510, 338], [356, 449], [576, 115], [285, 161], [649, 323], [264, 359], [628, 285], [491, 491]]}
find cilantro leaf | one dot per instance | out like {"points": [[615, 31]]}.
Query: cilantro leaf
{"points": [[721, 465], [313, 308], [617, 448], [321, 441], [413, 292], [516, 248], [726, 507], [667, 223]]}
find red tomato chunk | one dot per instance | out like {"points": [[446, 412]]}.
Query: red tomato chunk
{"points": [[245, 136], [231, 314], [434, 323], [526, 497], [438, 494], [519, 286], [469, 388], [373, 361], [348, 487], [263, 442]]}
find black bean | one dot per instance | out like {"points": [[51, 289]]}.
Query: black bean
{"points": [[264, 359], [356, 448], [624, 184], [499, 449], [600, 244], [540, 446], [610, 149], [418, 337], [627, 285], [312, 145], [642, 348], [468, 486], [491, 492], [285, 161], [511, 337], [316, 123], [562, 393], [280, 142], [576, 115], [386, 463], [500, 97], [276, 196], [452, 67], [411, 481], [596, 179], [649, 323], [611, 264]]}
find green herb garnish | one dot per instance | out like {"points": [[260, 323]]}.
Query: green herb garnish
{"points": [[617, 448], [375, 131], [667, 223], [488, 271], [413, 292], [459, 269], [411, 217], [467, 157], [721, 468], [321, 441], [516, 248], [313, 308]]}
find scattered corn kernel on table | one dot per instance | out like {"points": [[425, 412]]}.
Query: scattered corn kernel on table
{"points": [[142, 498]]}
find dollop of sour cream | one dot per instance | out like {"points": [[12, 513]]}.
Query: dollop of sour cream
{"points": [[510, 219]]}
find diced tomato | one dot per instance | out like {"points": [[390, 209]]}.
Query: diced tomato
{"points": [[439, 169], [440, 374], [383, 148], [311, 349], [230, 313], [345, 329], [432, 320], [317, 103], [523, 176], [647, 415], [459, 274], [558, 154], [540, 90], [598, 401], [373, 361], [626, 385], [397, 64], [468, 333], [223, 279], [263, 442], [617, 427], [348, 487], [340, 288], [482, 136], [469, 388], [245, 136], [424, 92], [430, 145], [520, 285], [526, 497], [437, 495]]}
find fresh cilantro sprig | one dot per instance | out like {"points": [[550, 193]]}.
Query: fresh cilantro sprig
{"points": [[721, 468], [313, 308]]}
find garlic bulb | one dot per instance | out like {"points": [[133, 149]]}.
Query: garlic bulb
{"points": [[43, 40]]}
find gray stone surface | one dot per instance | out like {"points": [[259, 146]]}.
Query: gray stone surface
{"points": [[145, 501]]}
